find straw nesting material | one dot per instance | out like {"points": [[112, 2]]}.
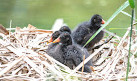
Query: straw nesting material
{"points": [[23, 57]]}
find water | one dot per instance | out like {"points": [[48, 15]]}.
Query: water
{"points": [[43, 13]]}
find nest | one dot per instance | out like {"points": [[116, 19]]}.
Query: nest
{"points": [[23, 58]]}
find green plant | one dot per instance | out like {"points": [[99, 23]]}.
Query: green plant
{"points": [[132, 5]]}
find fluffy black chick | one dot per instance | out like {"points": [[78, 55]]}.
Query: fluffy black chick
{"points": [[54, 46], [82, 33], [72, 53]]}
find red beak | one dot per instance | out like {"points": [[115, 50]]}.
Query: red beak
{"points": [[50, 40], [57, 40], [103, 22]]}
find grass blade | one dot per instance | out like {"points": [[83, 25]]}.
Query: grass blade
{"points": [[125, 13], [109, 20], [129, 53]]}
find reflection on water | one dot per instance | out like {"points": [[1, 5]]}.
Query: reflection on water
{"points": [[43, 13]]}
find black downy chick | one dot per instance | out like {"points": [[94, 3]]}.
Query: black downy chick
{"points": [[55, 35], [54, 46], [53, 49], [72, 53], [85, 30]]}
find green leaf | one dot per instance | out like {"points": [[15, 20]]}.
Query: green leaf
{"points": [[109, 20], [132, 3]]}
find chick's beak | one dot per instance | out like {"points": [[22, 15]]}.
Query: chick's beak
{"points": [[103, 22], [50, 40], [57, 40]]}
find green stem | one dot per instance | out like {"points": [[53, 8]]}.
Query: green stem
{"points": [[130, 45]]}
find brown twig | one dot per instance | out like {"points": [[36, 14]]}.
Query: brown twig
{"points": [[3, 30]]}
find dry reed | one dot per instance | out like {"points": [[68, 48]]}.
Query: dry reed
{"points": [[23, 57]]}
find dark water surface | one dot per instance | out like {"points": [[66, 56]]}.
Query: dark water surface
{"points": [[43, 13]]}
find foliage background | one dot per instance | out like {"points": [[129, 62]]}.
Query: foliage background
{"points": [[43, 13]]}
